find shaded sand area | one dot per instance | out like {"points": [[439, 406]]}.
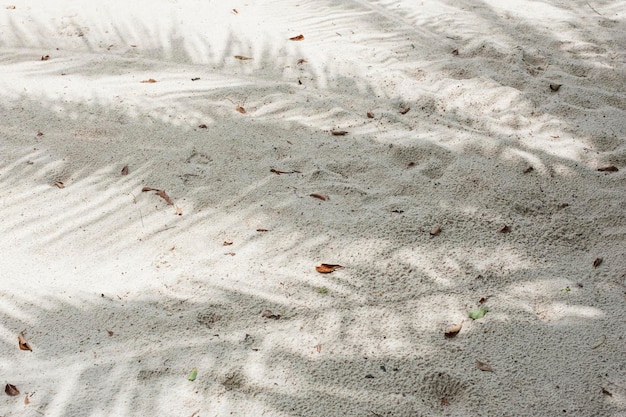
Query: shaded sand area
{"points": [[470, 155]]}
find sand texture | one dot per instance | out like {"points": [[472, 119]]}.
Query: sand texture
{"points": [[172, 170]]}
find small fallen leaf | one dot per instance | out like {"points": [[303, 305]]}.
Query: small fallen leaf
{"points": [[125, 170], [144, 189], [149, 80], [608, 169], [327, 268], [22, 342], [203, 126], [338, 132], [59, 184], [267, 314], [435, 231], [597, 262], [297, 38], [193, 374], [241, 110], [11, 390], [484, 366], [45, 57], [301, 61], [452, 331], [242, 58], [110, 332], [606, 392], [405, 110], [195, 79], [40, 133], [370, 115], [262, 230], [483, 300], [319, 196], [505, 229], [455, 52], [165, 197], [318, 347], [478, 313], [226, 243], [555, 87]]}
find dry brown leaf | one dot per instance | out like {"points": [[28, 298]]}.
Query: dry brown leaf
{"points": [[608, 169], [241, 110], [597, 262], [327, 268], [11, 390], [242, 58], [301, 61], [59, 184], [318, 347], [370, 115], [435, 231], [505, 229], [40, 133], [297, 38], [22, 342], [455, 52], [226, 243], [267, 314], [405, 110], [555, 87], [338, 132], [482, 300], [144, 189], [452, 331], [165, 197], [149, 80], [484, 366], [125, 170], [319, 196], [110, 332], [45, 57], [203, 126], [606, 392]]}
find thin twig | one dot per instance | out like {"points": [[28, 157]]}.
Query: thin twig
{"points": [[593, 9]]}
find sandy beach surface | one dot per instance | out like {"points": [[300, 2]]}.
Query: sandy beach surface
{"points": [[173, 172]]}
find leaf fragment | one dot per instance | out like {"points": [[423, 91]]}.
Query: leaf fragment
{"points": [[59, 184], [478, 313], [505, 229], [483, 366], [45, 57], [597, 262], [110, 333], [452, 331], [11, 390], [241, 110], [203, 126], [193, 374], [227, 243], [267, 314], [327, 268], [555, 87], [455, 52], [370, 115], [125, 170], [301, 61], [610, 168], [242, 58], [165, 197], [339, 132], [149, 81], [606, 392], [435, 230], [22, 342], [405, 110], [297, 38], [319, 196]]}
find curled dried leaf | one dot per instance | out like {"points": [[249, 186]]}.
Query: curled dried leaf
{"points": [[11, 390], [597, 262], [608, 169], [297, 38], [45, 57], [483, 366], [405, 110], [125, 170], [339, 132], [455, 52], [452, 331], [370, 115], [241, 110], [242, 58], [144, 189], [301, 61], [327, 268], [149, 81], [319, 196], [555, 87], [435, 230], [59, 184], [505, 229], [203, 126], [22, 342], [110, 332]]}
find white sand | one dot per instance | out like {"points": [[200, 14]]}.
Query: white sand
{"points": [[485, 144]]}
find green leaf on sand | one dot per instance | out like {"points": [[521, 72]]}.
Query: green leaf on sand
{"points": [[479, 313], [193, 374]]}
